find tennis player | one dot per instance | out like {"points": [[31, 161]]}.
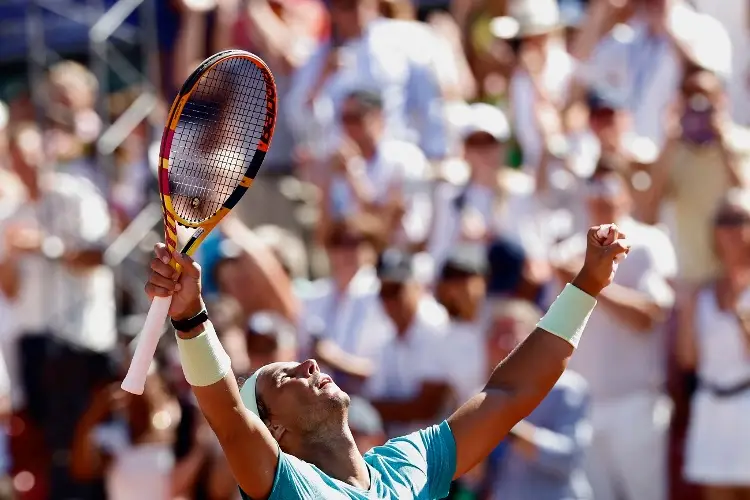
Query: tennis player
{"points": [[285, 433]]}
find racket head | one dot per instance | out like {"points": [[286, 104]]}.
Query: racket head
{"points": [[217, 134]]}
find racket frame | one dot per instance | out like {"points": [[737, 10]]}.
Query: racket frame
{"points": [[203, 228]]}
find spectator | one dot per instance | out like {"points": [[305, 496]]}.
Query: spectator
{"points": [[377, 178], [409, 385], [395, 58], [129, 441], [713, 343], [462, 289], [640, 61], [546, 449], [65, 302], [270, 338], [624, 363], [484, 138], [345, 306], [705, 157]]}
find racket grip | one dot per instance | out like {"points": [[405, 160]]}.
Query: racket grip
{"points": [[148, 339]]}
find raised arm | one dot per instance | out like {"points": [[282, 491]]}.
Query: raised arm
{"points": [[520, 382], [249, 447]]}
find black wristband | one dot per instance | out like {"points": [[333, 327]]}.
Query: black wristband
{"points": [[185, 325]]}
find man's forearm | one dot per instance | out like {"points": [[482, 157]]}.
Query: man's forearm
{"points": [[632, 307], [10, 282]]}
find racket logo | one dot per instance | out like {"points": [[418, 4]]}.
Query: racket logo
{"points": [[196, 202], [270, 121]]}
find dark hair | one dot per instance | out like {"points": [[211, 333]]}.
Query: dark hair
{"points": [[263, 411], [371, 100]]}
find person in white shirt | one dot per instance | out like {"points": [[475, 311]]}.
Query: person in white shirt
{"points": [[484, 137], [713, 343], [65, 305], [400, 59], [342, 321], [462, 290], [410, 386], [625, 364], [371, 176]]}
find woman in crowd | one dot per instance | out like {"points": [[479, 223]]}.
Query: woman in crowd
{"points": [[713, 343]]}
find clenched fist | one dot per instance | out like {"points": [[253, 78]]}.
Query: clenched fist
{"points": [[184, 287], [606, 247]]}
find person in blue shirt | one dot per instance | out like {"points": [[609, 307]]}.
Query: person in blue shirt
{"points": [[286, 434]]}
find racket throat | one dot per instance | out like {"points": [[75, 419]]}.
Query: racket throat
{"points": [[191, 244]]}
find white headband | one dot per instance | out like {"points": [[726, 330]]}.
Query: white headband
{"points": [[247, 393]]}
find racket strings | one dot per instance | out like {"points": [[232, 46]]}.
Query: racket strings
{"points": [[216, 138]]}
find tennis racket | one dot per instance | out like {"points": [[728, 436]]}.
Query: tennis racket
{"points": [[217, 134]]}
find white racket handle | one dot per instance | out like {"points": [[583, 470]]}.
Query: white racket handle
{"points": [[135, 380]]}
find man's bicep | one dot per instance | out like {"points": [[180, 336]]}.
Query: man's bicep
{"points": [[250, 449]]}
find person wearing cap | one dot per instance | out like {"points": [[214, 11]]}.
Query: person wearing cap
{"points": [[409, 385], [625, 363], [285, 432], [540, 82], [484, 137], [544, 453]]}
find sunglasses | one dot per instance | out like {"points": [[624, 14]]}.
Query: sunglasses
{"points": [[604, 188], [352, 118], [732, 220]]}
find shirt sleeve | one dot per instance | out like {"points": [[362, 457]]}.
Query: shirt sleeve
{"points": [[560, 446], [426, 459], [424, 103]]}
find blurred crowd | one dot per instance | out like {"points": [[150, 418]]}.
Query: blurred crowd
{"points": [[433, 171]]}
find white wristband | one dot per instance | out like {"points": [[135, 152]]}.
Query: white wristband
{"points": [[204, 360], [568, 314]]}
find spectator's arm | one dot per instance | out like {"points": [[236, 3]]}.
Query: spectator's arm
{"points": [[639, 310], [425, 406], [425, 104], [648, 203], [189, 46], [88, 460], [269, 275], [731, 164], [10, 278], [331, 355], [686, 346], [187, 469], [221, 482], [557, 448]]}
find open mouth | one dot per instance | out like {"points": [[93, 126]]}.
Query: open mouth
{"points": [[324, 382]]}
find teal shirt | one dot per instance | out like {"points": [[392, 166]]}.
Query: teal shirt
{"points": [[419, 466]]}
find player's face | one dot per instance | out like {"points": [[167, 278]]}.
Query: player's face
{"points": [[299, 396]]}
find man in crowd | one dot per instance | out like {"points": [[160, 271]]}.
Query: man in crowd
{"points": [[625, 363]]}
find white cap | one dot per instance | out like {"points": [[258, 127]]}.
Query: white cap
{"points": [[488, 119], [704, 38], [527, 18]]}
